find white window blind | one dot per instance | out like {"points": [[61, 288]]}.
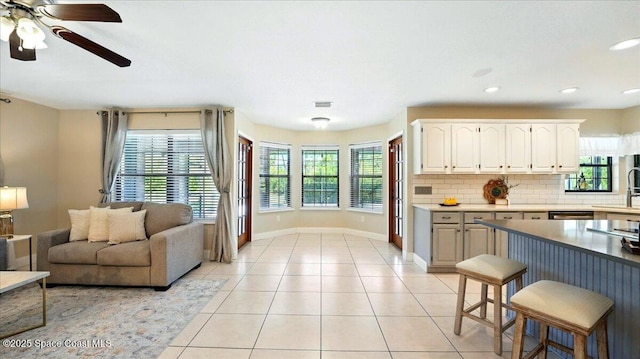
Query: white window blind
{"points": [[320, 176], [275, 176], [166, 167], [366, 177]]}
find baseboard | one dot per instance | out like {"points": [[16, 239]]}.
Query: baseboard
{"points": [[354, 232], [420, 262], [205, 254]]}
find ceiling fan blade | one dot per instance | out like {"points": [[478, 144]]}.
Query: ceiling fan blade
{"points": [[17, 51], [90, 46], [80, 12]]}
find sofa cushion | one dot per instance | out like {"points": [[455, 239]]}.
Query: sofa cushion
{"points": [[80, 220], [126, 227], [131, 254], [77, 252], [163, 216], [115, 205], [99, 226]]}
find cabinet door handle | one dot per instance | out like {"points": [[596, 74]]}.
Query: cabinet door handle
{"points": [[535, 217], [500, 166], [446, 217], [477, 217], [508, 217], [457, 230], [446, 166], [466, 230], [509, 166], [453, 166], [552, 166], [559, 166]]}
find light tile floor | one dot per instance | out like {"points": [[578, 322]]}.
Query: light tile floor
{"points": [[330, 296]]}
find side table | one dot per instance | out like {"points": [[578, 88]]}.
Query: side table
{"points": [[24, 237]]}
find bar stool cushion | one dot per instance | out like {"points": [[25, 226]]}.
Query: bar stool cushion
{"points": [[491, 266], [574, 305]]}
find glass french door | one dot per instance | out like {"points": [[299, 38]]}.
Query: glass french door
{"points": [[244, 191], [396, 192]]}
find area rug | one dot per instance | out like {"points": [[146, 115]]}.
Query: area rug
{"points": [[103, 322]]}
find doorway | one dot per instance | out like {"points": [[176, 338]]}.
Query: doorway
{"points": [[244, 191], [396, 191]]}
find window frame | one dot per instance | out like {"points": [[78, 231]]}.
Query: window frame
{"points": [[320, 205], [355, 178], [274, 146], [174, 190], [609, 165]]}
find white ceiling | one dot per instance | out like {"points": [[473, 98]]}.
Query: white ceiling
{"points": [[272, 60]]}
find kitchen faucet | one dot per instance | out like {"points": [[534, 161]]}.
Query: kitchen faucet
{"points": [[630, 190]]}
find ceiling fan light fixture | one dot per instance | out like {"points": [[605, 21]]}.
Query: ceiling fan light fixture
{"points": [[6, 27], [29, 32], [37, 45], [320, 122]]}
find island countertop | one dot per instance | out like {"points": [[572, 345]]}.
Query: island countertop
{"points": [[463, 207], [572, 234]]}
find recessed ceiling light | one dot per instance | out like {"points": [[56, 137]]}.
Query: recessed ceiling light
{"points": [[623, 45], [569, 90], [492, 89], [630, 91]]}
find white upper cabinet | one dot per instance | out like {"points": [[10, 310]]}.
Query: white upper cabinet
{"points": [[432, 148], [543, 148], [464, 148], [518, 148], [496, 146], [492, 148], [567, 143]]}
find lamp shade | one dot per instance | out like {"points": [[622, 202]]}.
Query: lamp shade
{"points": [[13, 198]]}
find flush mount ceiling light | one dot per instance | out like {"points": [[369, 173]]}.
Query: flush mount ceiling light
{"points": [[492, 89], [320, 122], [569, 90], [623, 45], [631, 91]]}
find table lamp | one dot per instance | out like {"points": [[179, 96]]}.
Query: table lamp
{"points": [[10, 198]]}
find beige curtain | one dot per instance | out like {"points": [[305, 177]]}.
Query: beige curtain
{"points": [[225, 240], [114, 132]]}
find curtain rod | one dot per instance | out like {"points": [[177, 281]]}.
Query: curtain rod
{"points": [[166, 112]]}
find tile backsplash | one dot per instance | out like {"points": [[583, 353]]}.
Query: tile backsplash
{"points": [[531, 189]]}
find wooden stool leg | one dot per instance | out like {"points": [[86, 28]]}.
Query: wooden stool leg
{"points": [[483, 300], [497, 319], [603, 341], [579, 346], [462, 286], [544, 336], [518, 336]]}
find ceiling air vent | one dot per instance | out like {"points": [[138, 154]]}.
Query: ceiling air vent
{"points": [[323, 104]]}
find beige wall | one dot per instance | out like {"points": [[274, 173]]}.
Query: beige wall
{"points": [[29, 148], [631, 120]]}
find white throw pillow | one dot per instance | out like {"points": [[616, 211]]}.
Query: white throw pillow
{"points": [[99, 227], [126, 227], [80, 220]]}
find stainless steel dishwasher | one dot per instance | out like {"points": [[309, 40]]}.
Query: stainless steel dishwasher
{"points": [[561, 215]]}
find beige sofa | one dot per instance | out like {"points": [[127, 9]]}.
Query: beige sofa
{"points": [[174, 247]]}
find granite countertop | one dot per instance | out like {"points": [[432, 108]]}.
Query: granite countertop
{"points": [[526, 208], [571, 234]]}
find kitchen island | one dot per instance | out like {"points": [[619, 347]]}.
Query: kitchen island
{"points": [[565, 251]]}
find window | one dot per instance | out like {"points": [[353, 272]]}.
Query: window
{"points": [[595, 175], [320, 177], [366, 177], [165, 167], [275, 176]]}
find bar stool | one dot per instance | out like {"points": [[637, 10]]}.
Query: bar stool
{"points": [[569, 308], [488, 270]]}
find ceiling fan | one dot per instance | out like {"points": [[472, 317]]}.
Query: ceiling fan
{"points": [[20, 27]]}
